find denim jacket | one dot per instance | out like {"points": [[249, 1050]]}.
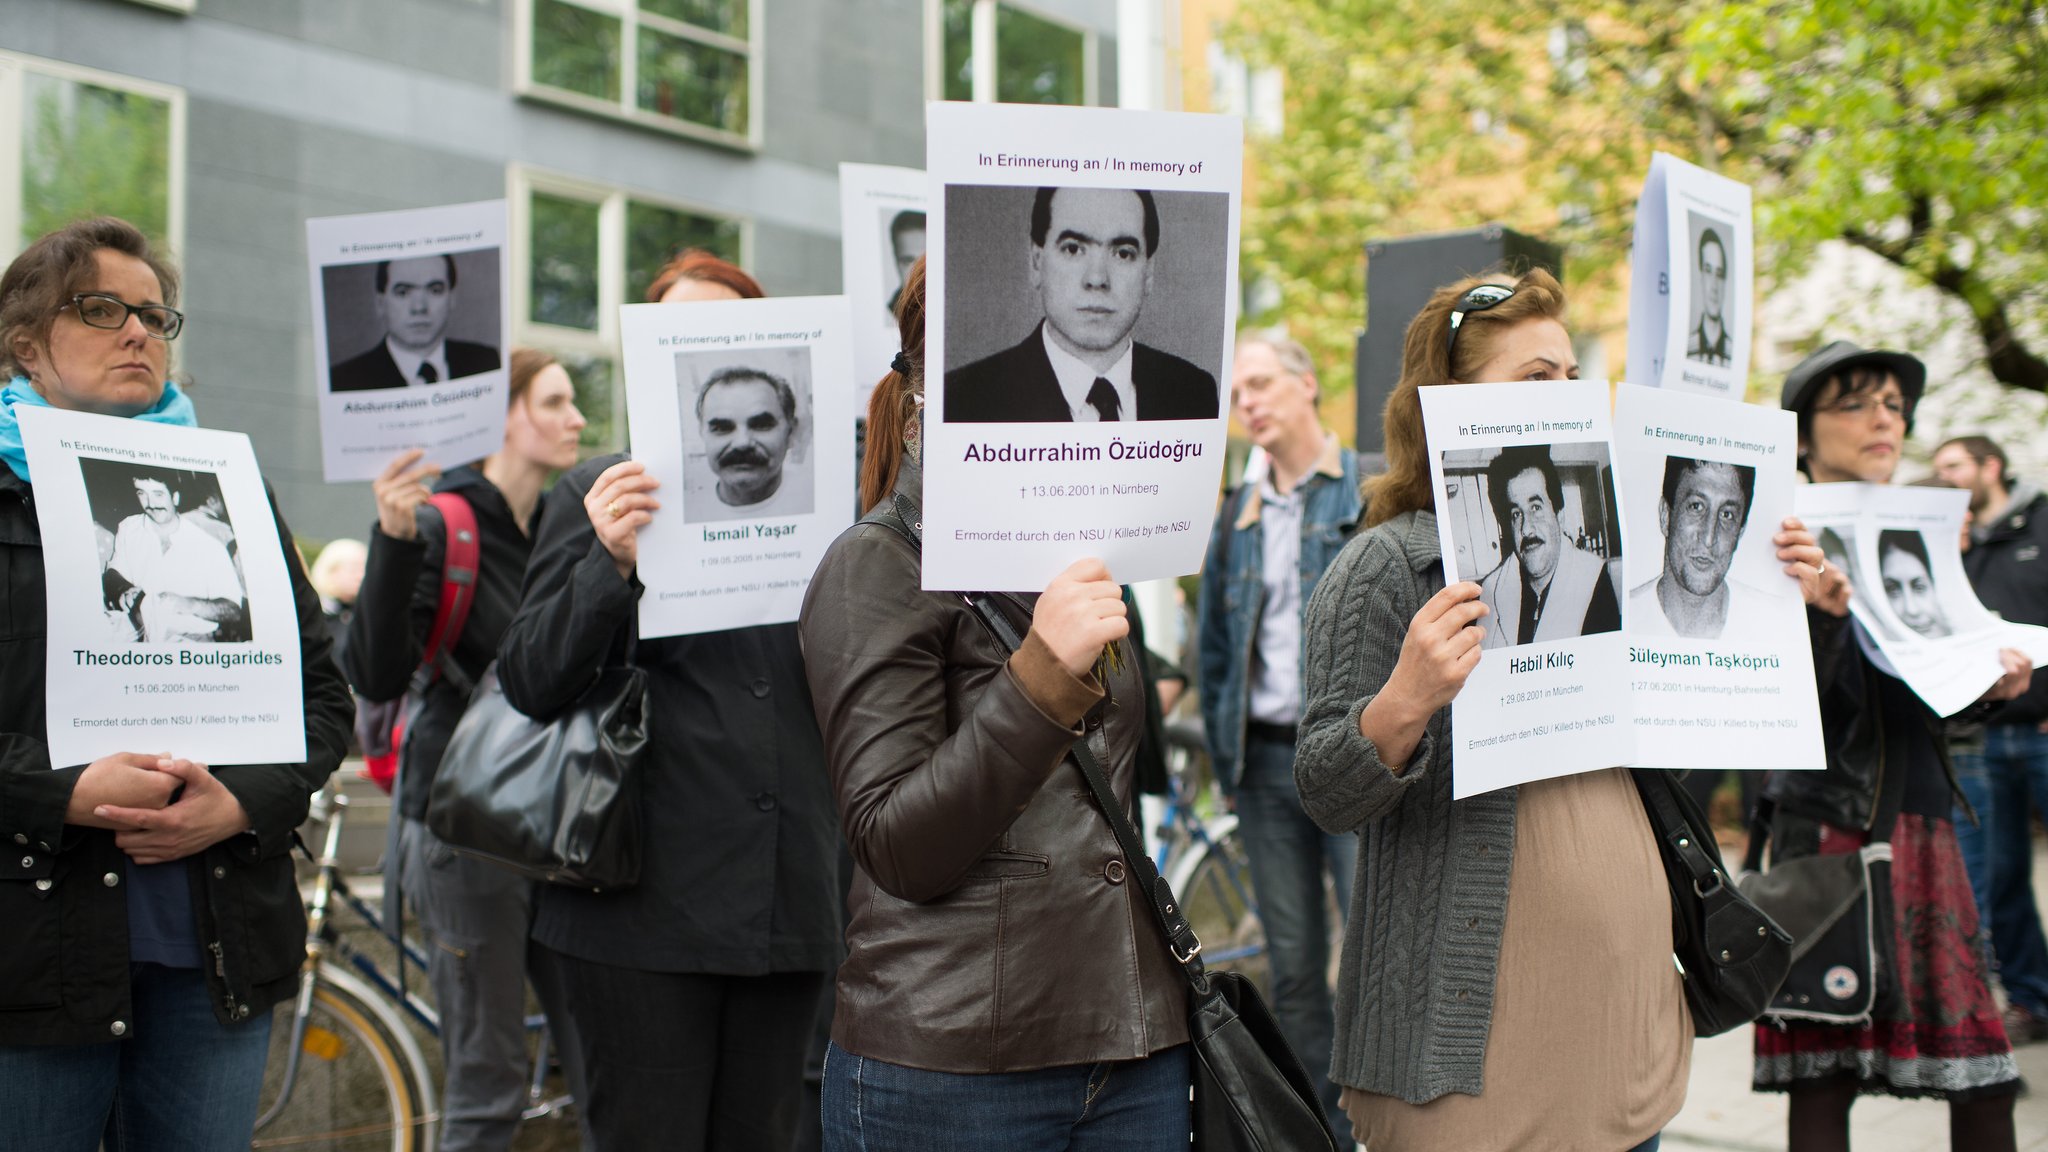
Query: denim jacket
{"points": [[1234, 592]]}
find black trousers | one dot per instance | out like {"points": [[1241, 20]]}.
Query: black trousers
{"points": [[686, 1062]]}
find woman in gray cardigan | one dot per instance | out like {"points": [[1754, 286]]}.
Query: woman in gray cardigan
{"points": [[1507, 979]]}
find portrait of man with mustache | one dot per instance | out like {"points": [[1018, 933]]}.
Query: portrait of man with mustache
{"points": [[748, 419], [1546, 587]]}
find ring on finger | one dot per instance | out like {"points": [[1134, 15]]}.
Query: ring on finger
{"points": [[613, 510], [1822, 570]]}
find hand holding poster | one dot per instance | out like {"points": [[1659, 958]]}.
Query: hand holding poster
{"points": [[1078, 329], [1901, 549], [743, 411], [1526, 509], [1691, 282], [171, 621], [410, 314], [882, 233], [1720, 667]]}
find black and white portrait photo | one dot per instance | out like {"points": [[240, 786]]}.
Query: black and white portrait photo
{"points": [[1084, 304], [1702, 516], [412, 322], [1906, 571], [169, 568], [902, 244], [747, 433], [1838, 545], [1535, 526], [1708, 340]]}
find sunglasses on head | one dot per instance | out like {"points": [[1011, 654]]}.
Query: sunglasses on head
{"points": [[1478, 299]]}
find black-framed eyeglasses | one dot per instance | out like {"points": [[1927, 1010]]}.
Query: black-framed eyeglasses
{"points": [[100, 310], [1478, 299]]}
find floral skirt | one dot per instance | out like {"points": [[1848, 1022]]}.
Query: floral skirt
{"points": [[1946, 1041]]}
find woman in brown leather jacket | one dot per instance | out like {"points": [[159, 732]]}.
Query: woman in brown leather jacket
{"points": [[1005, 987]]}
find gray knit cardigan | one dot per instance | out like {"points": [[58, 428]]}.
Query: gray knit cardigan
{"points": [[1421, 942]]}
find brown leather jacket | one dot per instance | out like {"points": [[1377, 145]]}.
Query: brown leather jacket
{"points": [[995, 926]]}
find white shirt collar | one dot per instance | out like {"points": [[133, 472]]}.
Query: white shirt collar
{"points": [[409, 362], [1076, 378]]}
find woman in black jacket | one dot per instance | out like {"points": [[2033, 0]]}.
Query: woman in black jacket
{"points": [[147, 903], [693, 992], [1936, 1032], [475, 913]]}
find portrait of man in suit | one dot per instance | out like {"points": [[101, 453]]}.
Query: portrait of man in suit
{"points": [[1709, 342], [906, 244], [1091, 265], [414, 298], [1547, 585]]}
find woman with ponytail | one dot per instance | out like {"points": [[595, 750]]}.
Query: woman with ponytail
{"points": [[1004, 987]]}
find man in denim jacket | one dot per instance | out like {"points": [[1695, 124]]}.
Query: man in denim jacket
{"points": [[1275, 534]]}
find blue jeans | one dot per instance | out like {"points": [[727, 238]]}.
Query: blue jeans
{"points": [[1119, 1106], [1289, 856], [180, 1081], [2005, 783]]}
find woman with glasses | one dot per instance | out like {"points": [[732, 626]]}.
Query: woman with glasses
{"points": [[147, 901], [1937, 1031], [1507, 977]]}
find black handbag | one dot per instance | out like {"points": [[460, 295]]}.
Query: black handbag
{"points": [[555, 800], [1838, 909], [1251, 1092], [1732, 954]]}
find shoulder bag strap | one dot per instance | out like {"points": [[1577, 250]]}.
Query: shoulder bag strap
{"points": [[1669, 821], [461, 553]]}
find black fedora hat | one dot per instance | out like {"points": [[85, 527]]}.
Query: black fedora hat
{"points": [[1802, 384]]}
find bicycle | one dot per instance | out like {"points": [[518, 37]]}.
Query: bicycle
{"points": [[346, 1072], [1203, 859]]}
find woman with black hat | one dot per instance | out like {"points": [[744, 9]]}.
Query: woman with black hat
{"points": [[1936, 1031]]}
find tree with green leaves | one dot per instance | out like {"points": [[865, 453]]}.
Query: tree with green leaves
{"points": [[1915, 129]]}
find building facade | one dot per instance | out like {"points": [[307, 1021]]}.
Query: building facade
{"points": [[617, 130]]}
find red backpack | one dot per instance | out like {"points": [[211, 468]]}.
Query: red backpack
{"points": [[380, 728]]}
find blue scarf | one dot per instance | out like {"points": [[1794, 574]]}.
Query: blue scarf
{"points": [[173, 407]]}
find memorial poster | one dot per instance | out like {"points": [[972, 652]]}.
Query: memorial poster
{"points": [[1720, 667], [170, 619], [881, 234], [1691, 282], [1080, 304], [1901, 548], [743, 411], [1527, 510], [412, 314]]}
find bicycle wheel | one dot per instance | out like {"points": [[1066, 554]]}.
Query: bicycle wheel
{"points": [[1214, 883], [361, 1084]]}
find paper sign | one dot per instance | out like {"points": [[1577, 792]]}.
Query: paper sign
{"points": [[410, 316], [1720, 667], [743, 410], [1078, 329], [1526, 508], [171, 622], [1691, 282], [1901, 548], [882, 233]]}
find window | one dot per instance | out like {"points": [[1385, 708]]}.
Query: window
{"points": [[994, 50], [1237, 89], [687, 66], [589, 249], [76, 143]]}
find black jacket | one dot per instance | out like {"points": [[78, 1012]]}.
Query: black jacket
{"points": [[376, 369], [64, 914], [395, 611], [740, 872], [1018, 384], [1879, 738], [2008, 566]]}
